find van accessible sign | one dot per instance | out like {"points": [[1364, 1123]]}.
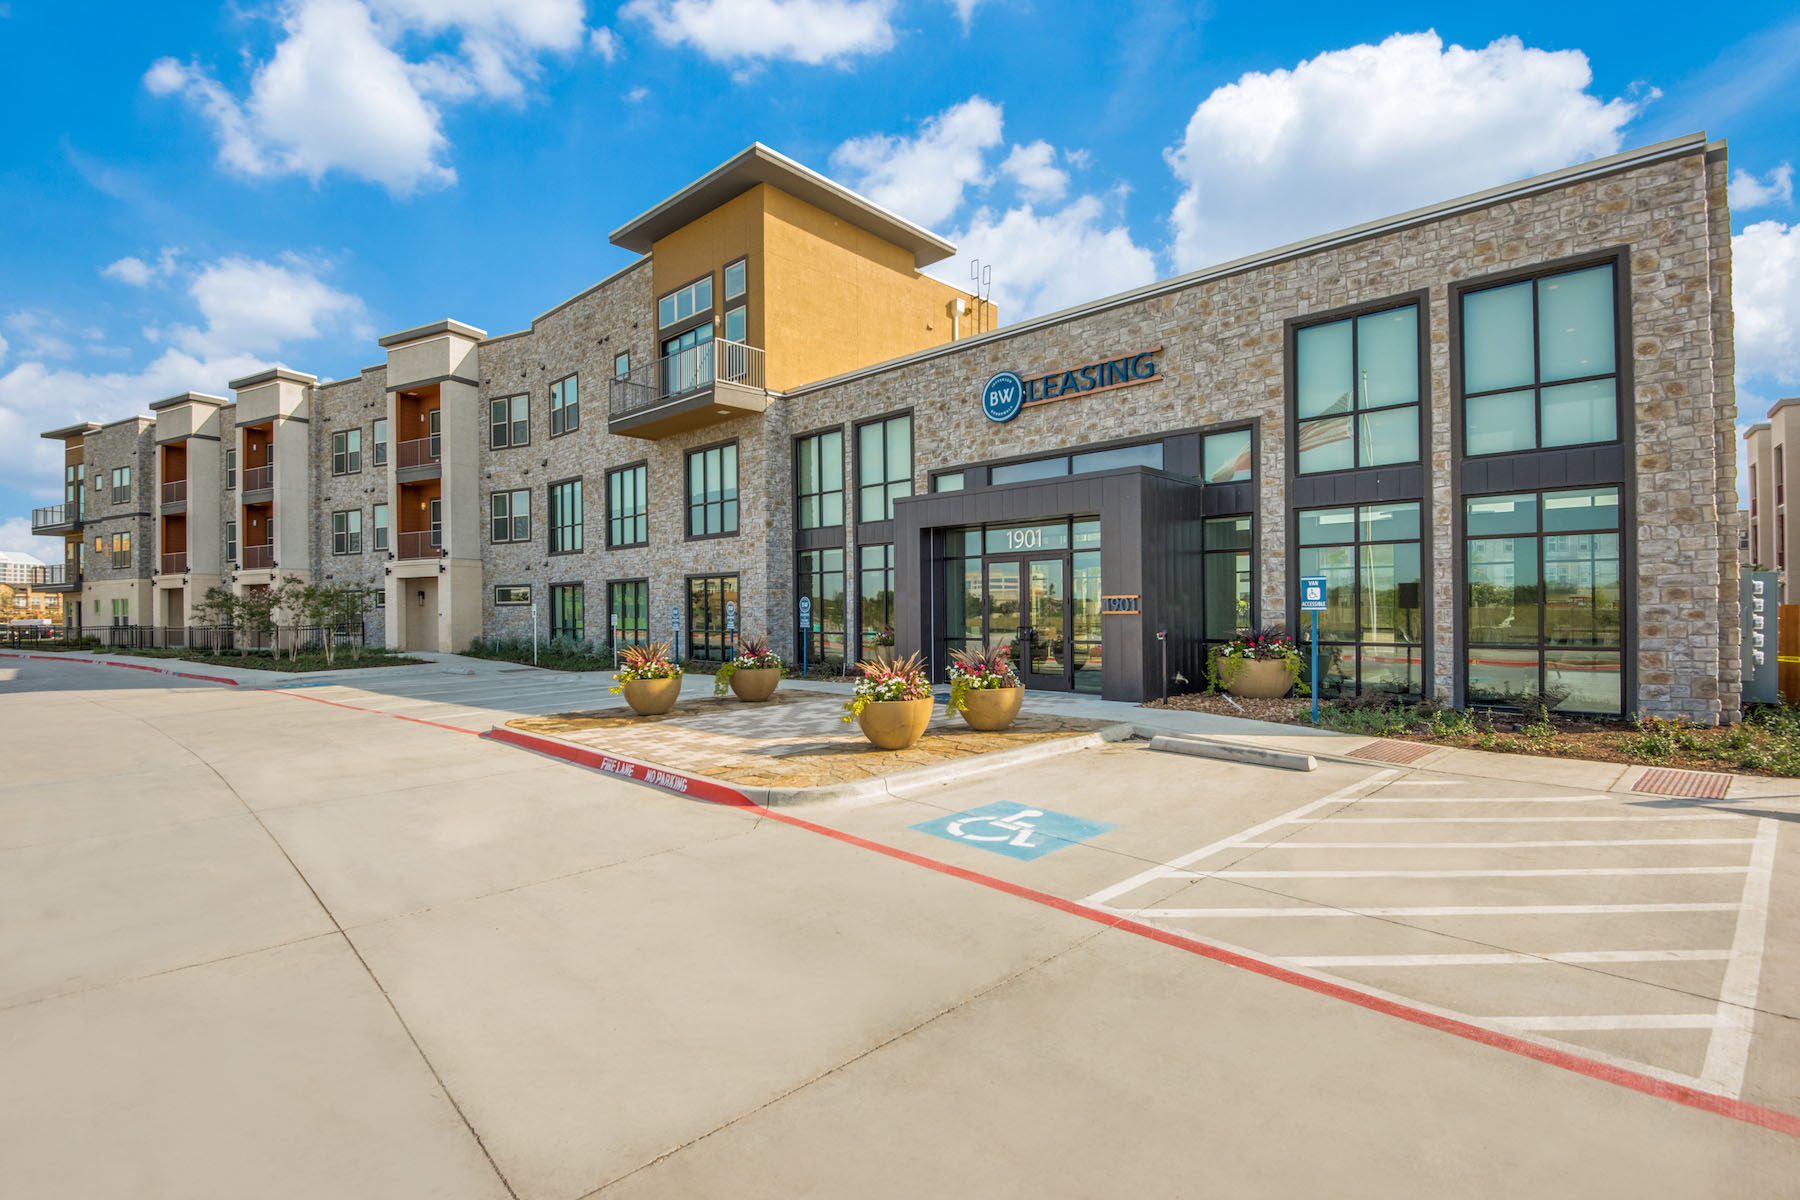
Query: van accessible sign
{"points": [[1007, 394]]}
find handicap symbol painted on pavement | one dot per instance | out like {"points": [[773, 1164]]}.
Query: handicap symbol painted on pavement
{"points": [[1015, 830]]}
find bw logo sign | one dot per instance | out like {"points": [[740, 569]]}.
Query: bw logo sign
{"points": [[1003, 397]]}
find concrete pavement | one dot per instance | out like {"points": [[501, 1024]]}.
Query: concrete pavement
{"points": [[256, 945]]}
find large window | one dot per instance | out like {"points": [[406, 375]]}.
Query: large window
{"points": [[875, 592], [712, 491], [1539, 363], [1545, 599], [627, 507], [346, 452], [708, 596], [685, 302], [512, 516], [568, 613], [884, 467], [509, 421], [687, 361], [1356, 391], [231, 464], [1372, 630], [1149, 454], [380, 448], [565, 406], [1226, 577], [346, 532], [121, 485], [628, 606], [737, 326], [380, 527], [819, 480], [821, 580], [1227, 457], [231, 541], [565, 517]]}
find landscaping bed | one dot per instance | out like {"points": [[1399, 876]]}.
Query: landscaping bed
{"points": [[308, 660], [1766, 742]]}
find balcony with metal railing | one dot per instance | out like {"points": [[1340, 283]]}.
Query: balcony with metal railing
{"points": [[425, 543], [702, 385], [258, 479], [257, 558], [57, 518], [174, 492], [57, 577], [175, 564], [418, 459]]}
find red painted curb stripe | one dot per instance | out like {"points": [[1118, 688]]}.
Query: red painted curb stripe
{"points": [[624, 768], [376, 711], [1725, 1106], [96, 662]]}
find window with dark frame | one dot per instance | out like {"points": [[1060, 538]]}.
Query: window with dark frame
{"points": [[820, 578], [875, 593], [509, 422], [511, 516], [819, 480], [622, 364], [230, 468], [346, 532], [685, 302], [1227, 457], [712, 491], [1371, 634], [568, 615], [628, 600], [379, 450], [121, 485], [231, 541], [346, 452], [884, 466], [949, 481], [1226, 573], [565, 406], [380, 527], [627, 507], [1545, 600], [1540, 362], [511, 595], [565, 517], [1356, 391], [706, 600]]}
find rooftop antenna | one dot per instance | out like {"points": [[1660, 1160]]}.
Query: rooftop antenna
{"points": [[982, 280]]}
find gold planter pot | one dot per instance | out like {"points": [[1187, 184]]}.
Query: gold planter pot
{"points": [[652, 697], [755, 686], [895, 724], [1261, 679], [991, 709]]}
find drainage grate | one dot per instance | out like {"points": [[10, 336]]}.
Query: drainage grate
{"points": [[1390, 751], [1689, 785]]}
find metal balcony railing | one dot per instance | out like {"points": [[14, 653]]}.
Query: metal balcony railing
{"points": [[55, 514], [686, 372], [424, 544], [259, 479], [174, 491], [420, 452], [175, 564], [49, 576], [258, 558]]}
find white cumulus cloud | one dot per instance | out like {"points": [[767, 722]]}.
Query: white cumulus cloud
{"points": [[923, 178], [1034, 168], [16, 538], [1044, 261], [751, 31], [1765, 286], [965, 12], [1747, 191], [341, 94], [1357, 133], [134, 271]]}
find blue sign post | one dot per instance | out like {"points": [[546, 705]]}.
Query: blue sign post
{"points": [[805, 631], [1312, 600]]}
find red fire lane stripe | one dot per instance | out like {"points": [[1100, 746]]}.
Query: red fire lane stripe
{"points": [[1724, 1106], [95, 662]]}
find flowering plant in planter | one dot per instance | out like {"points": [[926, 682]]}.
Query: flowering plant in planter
{"points": [[979, 671], [753, 654], [1267, 644], [900, 679], [886, 636], [649, 661]]}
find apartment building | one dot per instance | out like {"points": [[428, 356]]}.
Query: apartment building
{"points": [[1769, 454], [1500, 427]]}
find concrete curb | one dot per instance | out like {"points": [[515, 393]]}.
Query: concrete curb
{"points": [[862, 791], [129, 666], [1258, 756]]}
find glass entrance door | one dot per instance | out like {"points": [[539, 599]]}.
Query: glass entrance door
{"points": [[1027, 607]]}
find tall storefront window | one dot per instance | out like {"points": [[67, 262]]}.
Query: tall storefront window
{"points": [[884, 467], [1226, 577], [568, 615], [1356, 391], [566, 517], [1545, 599], [821, 580], [628, 608], [707, 597], [627, 507], [1036, 588], [875, 593], [1372, 630], [1539, 363], [819, 480], [713, 491]]}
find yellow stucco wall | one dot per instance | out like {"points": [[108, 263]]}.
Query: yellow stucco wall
{"points": [[824, 295]]}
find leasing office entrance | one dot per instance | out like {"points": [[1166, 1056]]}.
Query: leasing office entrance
{"points": [[1035, 587]]}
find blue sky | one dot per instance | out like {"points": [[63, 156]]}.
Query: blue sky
{"points": [[188, 192]]}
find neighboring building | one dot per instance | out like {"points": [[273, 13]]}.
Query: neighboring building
{"points": [[1499, 426], [18, 569], [1770, 449]]}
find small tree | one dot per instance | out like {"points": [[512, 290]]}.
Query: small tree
{"points": [[289, 599], [255, 613], [218, 608]]}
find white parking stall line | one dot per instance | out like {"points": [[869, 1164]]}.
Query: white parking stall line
{"points": [[1612, 1021], [1484, 799], [1293, 816], [1444, 910], [1717, 816], [1508, 959], [1729, 1050], [1495, 845], [1470, 873]]}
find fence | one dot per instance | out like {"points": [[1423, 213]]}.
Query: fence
{"points": [[213, 639]]}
